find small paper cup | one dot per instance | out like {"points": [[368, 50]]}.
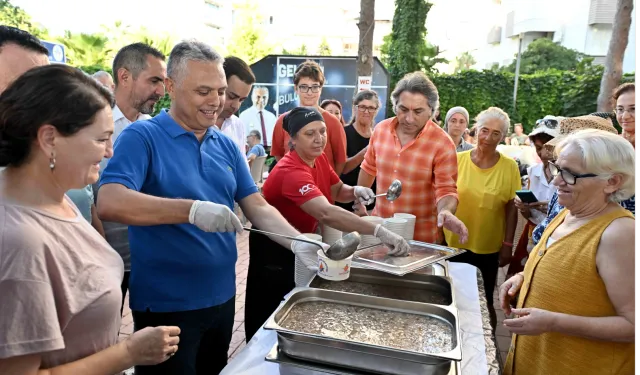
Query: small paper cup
{"points": [[334, 270]]}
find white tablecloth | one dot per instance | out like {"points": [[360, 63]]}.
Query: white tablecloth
{"points": [[250, 361]]}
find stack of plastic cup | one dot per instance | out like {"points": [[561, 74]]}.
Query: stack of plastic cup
{"points": [[409, 227], [396, 225], [367, 239], [330, 235], [302, 274]]}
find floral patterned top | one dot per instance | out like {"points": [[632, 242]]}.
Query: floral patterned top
{"points": [[555, 208]]}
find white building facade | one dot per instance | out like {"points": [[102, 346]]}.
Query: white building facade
{"points": [[583, 25]]}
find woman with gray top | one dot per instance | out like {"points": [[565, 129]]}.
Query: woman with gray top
{"points": [[59, 279], [455, 124]]}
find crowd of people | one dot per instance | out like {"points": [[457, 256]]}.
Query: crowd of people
{"points": [[100, 199]]}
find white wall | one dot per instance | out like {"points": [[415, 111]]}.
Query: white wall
{"points": [[629, 63], [572, 31]]}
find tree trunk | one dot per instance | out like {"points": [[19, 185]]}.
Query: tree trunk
{"points": [[365, 45], [613, 63]]}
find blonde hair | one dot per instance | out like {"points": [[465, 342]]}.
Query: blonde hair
{"points": [[605, 154], [493, 113]]}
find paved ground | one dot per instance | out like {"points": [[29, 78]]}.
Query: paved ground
{"points": [[238, 339]]}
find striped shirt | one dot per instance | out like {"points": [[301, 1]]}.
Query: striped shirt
{"points": [[427, 167]]}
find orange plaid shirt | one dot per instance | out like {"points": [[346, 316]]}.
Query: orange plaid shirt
{"points": [[426, 166]]}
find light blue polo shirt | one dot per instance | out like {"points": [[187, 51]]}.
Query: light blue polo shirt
{"points": [[179, 267]]}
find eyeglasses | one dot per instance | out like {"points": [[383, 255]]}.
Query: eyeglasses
{"points": [[365, 109], [620, 111], [305, 88], [549, 123], [567, 176]]}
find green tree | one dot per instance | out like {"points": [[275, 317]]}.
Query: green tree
{"points": [[248, 40], [162, 42], [323, 48], [11, 15], [544, 54], [86, 49], [406, 49], [464, 62], [302, 50]]}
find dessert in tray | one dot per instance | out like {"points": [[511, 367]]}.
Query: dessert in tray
{"points": [[412, 332], [435, 296]]}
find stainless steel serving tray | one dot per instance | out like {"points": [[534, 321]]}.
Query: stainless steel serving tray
{"points": [[422, 255], [358, 355], [411, 287], [292, 366]]}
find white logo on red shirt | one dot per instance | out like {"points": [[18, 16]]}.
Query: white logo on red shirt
{"points": [[306, 188]]}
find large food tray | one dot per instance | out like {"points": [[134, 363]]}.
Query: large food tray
{"points": [[292, 366], [377, 359], [414, 287], [421, 255]]}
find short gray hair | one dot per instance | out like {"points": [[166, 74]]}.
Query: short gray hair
{"points": [[256, 134], [493, 113], [101, 74], [417, 83], [605, 154], [189, 50]]}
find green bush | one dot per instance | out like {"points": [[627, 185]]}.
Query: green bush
{"points": [[552, 92]]}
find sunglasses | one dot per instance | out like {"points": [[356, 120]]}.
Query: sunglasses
{"points": [[549, 123], [567, 176]]}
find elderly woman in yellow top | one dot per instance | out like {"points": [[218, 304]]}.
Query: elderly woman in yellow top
{"points": [[487, 184], [575, 312]]}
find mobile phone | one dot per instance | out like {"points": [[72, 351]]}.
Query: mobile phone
{"points": [[526, 196]]}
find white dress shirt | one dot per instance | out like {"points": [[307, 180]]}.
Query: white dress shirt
{"points": [[233, 128], [120, 121], [250, 117], [541, 188]]}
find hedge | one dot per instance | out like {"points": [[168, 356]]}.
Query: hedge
{"points": [[552, 92]]}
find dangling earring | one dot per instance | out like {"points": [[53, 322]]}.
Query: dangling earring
{"points": [[52, 162]]}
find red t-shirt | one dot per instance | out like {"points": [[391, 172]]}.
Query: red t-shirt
{"points": [[292, 182]]}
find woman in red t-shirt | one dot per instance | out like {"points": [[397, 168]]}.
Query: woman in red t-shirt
{"points": [[303, 187]]}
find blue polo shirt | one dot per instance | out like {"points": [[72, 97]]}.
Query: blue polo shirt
{"points": [[179, 267]]}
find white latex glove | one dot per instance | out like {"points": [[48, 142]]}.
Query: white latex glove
{"points": [[213, 217], [363, 195], [307, 252], [397, 245]]}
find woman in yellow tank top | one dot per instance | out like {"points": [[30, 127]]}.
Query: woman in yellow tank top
{"points": [[575, 311]]}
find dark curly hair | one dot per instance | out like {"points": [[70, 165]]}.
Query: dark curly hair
{"points": [[57, 95]]}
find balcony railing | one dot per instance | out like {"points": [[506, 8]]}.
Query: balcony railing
{"points": [[602, 12]]}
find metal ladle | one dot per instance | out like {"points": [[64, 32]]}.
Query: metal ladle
{"points": [[395, 189], [341, 249]]}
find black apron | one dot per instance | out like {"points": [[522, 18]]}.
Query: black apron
{"points": [[270, 277]]}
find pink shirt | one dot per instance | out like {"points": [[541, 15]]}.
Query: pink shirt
{"points": [[59, 287]]}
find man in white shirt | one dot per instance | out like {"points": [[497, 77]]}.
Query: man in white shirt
{"points": [[139, 72], [257, 117], [19, 52], [240, 78], [105, 79]]}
